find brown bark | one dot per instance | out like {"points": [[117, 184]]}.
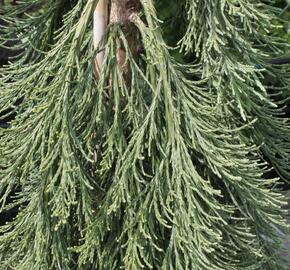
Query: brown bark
{"points": [[120, 13], [121, 10]]}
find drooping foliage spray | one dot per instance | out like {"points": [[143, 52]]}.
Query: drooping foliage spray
{"points": [[145, 147]]}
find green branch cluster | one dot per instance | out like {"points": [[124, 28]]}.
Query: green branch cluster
{"points": [[165, 172]]}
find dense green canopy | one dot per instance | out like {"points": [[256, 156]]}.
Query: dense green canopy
{"points": [[160, 166]]}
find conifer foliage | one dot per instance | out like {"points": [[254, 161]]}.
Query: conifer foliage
{"points": [[158, 162]]}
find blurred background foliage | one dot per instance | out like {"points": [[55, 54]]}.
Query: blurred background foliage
{"points": [[174, 17], [283, 29]]}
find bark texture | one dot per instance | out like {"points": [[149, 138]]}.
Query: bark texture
{"points": [[120, 13]]}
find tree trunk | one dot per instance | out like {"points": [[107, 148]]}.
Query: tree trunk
{"points": [[120, 13], [100, 24]]}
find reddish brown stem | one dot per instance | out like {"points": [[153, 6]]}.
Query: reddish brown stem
{"points": [[120, 13]]}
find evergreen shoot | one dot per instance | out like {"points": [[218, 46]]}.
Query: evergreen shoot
{"points": [[159, 159]]}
